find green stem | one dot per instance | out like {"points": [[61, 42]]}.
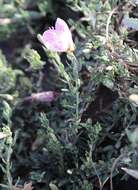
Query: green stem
{"points": [[8, 166], [77, 107], [76, 78]]}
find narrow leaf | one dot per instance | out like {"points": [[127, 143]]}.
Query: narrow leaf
{"points": [[133, 173]]}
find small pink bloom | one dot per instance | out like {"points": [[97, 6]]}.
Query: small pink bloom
{"points": [[58, 39], [47, 96]]}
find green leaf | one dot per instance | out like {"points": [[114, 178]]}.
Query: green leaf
{"points": [[33, 58], [53, 186]]}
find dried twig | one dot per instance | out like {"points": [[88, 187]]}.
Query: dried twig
{"points": [[108, 22]]}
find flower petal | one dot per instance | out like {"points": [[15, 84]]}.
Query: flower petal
{"points": [[58, 39], [61, 25], [53, 40]]}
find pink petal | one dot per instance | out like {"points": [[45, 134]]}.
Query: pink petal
{"points": [[58, 39], [61, 25], [47, 96], [52, 40]]}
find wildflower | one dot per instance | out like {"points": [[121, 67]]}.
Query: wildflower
{"points": [[47, 96], [58, 39]]}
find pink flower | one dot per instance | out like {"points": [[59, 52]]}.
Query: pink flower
{"points": [[47, 96], [58, 39]]}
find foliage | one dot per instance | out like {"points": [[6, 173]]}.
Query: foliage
{"points": [[89, 132]]}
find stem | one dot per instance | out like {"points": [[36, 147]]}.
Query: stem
{"points": [[76, 77], [77, 106], [108, 23], [93, 165], [113, 167], [63, 73], [8, 165]]}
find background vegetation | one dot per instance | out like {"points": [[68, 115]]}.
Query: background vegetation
{"points": [[85, 136]]}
